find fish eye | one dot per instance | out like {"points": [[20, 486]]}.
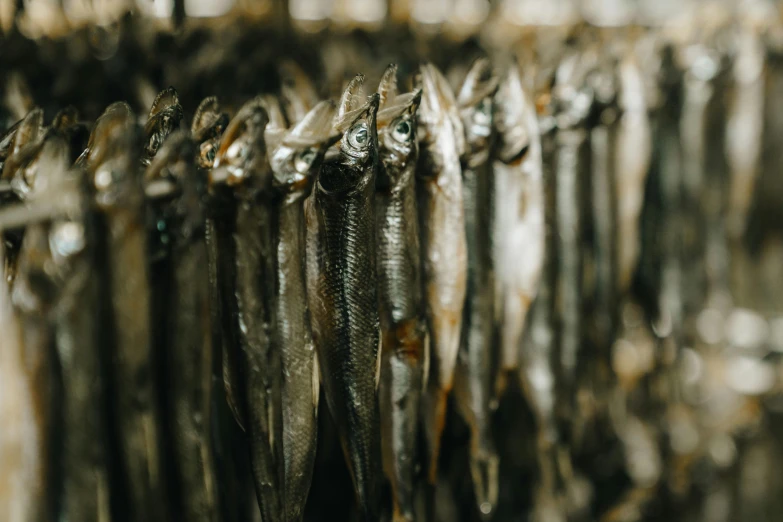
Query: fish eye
{"points": [[402, 130], [359, 136], [211, 154], [304, 160]]}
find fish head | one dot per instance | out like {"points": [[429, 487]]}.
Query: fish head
{"points": [[208, 125], [300, 152], [66, 118], [112, 156], [298, 93], [475, 100], [439, 126], [173, 181], [512, 105], [241, 158], [35, 164], [355, 155], [397, 144], [116, 119], [165, 117], [26, 133]]}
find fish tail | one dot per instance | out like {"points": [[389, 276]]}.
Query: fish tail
{"points": [[484, 472]]}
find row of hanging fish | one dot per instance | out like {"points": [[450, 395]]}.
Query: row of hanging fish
{"points": [[179, 297]]}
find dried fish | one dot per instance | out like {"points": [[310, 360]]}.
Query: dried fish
{"points": [[112, 163], [518, 218], [443, 244], [342, 287], [295, 163], [403, 328], [474, 383], [241, 181], [174, 190]]}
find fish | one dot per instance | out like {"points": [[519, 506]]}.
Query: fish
{"points": [[23, 439], [164, 118], [343, 301], [17, 146], [241, 179], [67, 294], [174, 189], [518, 225], [112, 162], [32, 298], [234, 480], [444, 254], [295, 162], [633, 154], [209, 123], [401, 310], [474, 383]]}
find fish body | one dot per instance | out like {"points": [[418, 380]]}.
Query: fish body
{"points": [[112, 164], [174, 192], [443, 245], [518, 218], [344, 306], [22, 441], [633, 150], [295, 163], [403, 326], [245, 271], [474, 374]]}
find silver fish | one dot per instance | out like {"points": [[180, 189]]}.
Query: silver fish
{"points": [[181, 295], [403, 327], [518, 222], [342, 287], [443, 244], [295, 163], [246, 278], [473, 384]]}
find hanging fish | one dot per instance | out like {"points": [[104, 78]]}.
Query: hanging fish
{"points": [[34, 296], [295, 161], [174, 190], [241, 181], [112, 163], [474, 384], [518, 218], [403, 327], [443, 244], [342, 282]]}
